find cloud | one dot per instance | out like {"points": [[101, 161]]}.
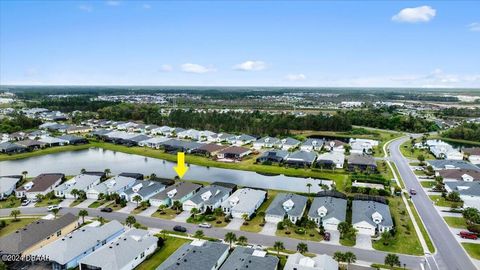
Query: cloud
{"points": [[146, 6], [415, 15], [296, 77], [250, 66], [85, 8], [475, 27], [166, 68], [196, 68], [113, 3]]}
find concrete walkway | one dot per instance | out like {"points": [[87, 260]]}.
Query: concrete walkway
{"points": [[149, 211], [270, 228], [234, 224], [364, 241], [182, 217], [85, 203]]}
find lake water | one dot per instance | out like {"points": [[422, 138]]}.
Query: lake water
{"points": [[96, 159]]}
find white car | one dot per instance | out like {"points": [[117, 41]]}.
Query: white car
{"points": [[26, 202], [52, 207], [205, 225]]}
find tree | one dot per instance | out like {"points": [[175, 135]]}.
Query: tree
{"points": [[262, 215], [83, 170], [344, 228], [101, 220], [130, 221], [218, 212], [454, 196], [230, 237], [177, 206], [153, 176], [39, 197], [349, 257], [245, 217], [55, 212], [421, 158], [392, 260], [302, 247], [242, 240], [199, 234], [137, 199], [309, 185], [83, 213], [194, 212], [338, 256], [15, 213], [25, 173], [101, 196], [387, 237], [278, 246], [107, 172], [472, 215], [74, 192], [162, 208]]}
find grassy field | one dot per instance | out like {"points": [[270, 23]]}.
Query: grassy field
{"points": [[168, 214], [114, 206], [424, 232], [47, 202], [406, 147], [440, 201], [428, 184], [76, 202], [9, 203], [171, 244], [46, 151], [15, 225], [97, 204], [456, 222], [310, 234], [200, 218], [472, 249], [254, 223]]}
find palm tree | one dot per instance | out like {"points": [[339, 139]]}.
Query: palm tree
{"points": [[130, 221], [242, 240], [107, 172], [309, 185], [278, 246], [177, 206], [24, 173], [338, 256], [137, 199], [55, 212], [83, 213], [162, 208], [194, 212], [153, 176], [302, 247], [391, 260], [245, 218], [39, 197], [349, 257], [199, 234], [83, 170], [74, 192], [262, 214], [230, 237], [15, 213], [101, 220]]}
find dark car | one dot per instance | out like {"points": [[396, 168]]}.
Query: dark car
{"points": [[179, 228], [326, 236], [106, 209], [413, 191]]}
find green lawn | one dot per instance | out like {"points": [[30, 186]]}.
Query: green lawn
{"points": [[97, 204], [406, 147], [167, 214], [171, 244], [440, 201], [472, 249], [47, 202], [114, 206], [424, 232], [348, 241], [76, 202], [456, 222], [201, 218], [45, 151], [428, 184], [138, 210], [10, 203], [15, 225], [419, 173], [310, 234], [254, 223], [384, 169]]}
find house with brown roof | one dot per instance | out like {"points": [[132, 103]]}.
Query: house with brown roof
{"points": [[31, 144], [210, 149], [459, 175], [42, 184], [233, 152], [473, 154]]}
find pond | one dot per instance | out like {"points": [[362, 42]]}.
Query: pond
{"points": [[97, 159]]}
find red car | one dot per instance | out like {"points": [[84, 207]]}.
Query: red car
{"points": [[468, 235], [326, 236], [413, 191]]}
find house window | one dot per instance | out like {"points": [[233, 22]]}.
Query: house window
{"points": [[142, 255], [59, 233]]}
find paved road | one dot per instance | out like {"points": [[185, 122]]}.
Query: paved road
{"points": [[450, 255], [412, 262]]}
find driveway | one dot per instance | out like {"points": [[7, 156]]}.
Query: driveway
{"points": [[182, 217], [66, 202], [85, 203], [269, 229], [334, 237], [234, 224], [149, 211], [129, 208], [364, 241]]}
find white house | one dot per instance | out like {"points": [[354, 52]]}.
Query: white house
{"points": [[82, 182], [241, 140], [243, 201], [331, 160], [8, 184], [328, 211], [143, 188], [113, 185], [312, 145], [361, 146], [370, 217], [298, 261], [469, 192], [210, 197], [265, 142], [473, 154], [42, 184], [192, 134], [287, 143]]}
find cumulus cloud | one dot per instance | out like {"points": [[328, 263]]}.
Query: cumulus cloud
{"points": [[113, 3], [146, 6], [85, 8], [166, 68], [415, 15], [296, 77], [250, 65], [196, 68], [475, 27]]}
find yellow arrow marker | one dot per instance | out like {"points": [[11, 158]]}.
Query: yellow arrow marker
{"points": [[181, 169]]}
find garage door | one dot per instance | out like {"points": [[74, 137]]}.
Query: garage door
{"points": [[363, 230], [330, 226]]}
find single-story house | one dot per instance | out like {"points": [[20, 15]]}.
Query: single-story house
{"points": [[143, 188], [287, 205], [34, 135], [78, 129], [244, 201], [301, 159], [371, 217], [136, 176], [207, 198], [240, 140], [181, 191], [82, 182], [42, 184], [473, 154], [126, 252], [161, 130], [17, 136], [8, 184], [155, 142], [233, 152], [205, 135], [328, 211], [10, 148], [459, 175], [265, 142], [287, 144], [220, 137], [192, 134], [210, 149], [174, 145], [117, 184], [277, 156], [135, 140], [249, 258], [37, 234], [361, 162], [312, 145], [52, 141], [71, 139], [173, 132], [335, 146], [31, 144], [469, 192], [362, 146], [331, 160], [448, 164], [198, 254], [298, 261], [65, 253]]}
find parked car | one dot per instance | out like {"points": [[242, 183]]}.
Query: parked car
{"points": [[52, 207], [26, 202], [468, 235], [205, 225], [413, 191], [179, 228], [326, 236], [106, 209]]}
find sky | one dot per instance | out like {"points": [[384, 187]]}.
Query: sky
{"points": [[244, 43]]}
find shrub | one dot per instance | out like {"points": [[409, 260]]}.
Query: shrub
{"points": [[300, 231], [210, 218], [474, 228], [280, 225]]}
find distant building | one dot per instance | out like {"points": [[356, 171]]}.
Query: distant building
{"points": [[312, 145], [331, 160], [361, 162], [265, 142], [301, 159], [274, 156], [181, 191]]}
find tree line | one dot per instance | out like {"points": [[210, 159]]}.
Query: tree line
{"points": [[466, 131], [18, 122]]}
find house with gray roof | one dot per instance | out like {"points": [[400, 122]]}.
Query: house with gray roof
{"points": [[240, 140], [31, 144], [312, 144], [72, 139], [301, 159], [287, 205], [36, 234], [155, 142], [287, 143], [274, 156], [371, 217], [198, 254], [117, 184], [82, 182], [361, 162], [174, 145], [331, 160], [265, 142], [163, 130], [143, 188], [52, 141], [8, 185], [125, 252], [192, 134], [243, 258], [298, 261], [207, 198], [66, 252], [220, 137], [469, 192], [328, 211], [10, 148], [180, 191], [448, 164], [243, 201]]}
